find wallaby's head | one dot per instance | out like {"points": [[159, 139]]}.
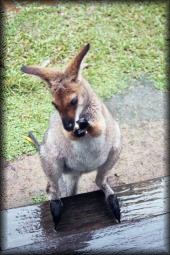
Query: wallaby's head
{"points": [[66, 88]]}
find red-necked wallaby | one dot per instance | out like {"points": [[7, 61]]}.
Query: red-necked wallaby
{"points": [[82, 134]]}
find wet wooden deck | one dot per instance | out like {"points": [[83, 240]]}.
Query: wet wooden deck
{"points": [[87, 225]]}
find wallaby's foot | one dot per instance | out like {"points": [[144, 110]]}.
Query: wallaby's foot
{"points": [[114, 206], [56, 209]]}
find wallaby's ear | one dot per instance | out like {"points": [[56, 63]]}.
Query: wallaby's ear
{"points": [[73, 68], [46, 74]]}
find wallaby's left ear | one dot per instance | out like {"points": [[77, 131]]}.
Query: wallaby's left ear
{"points": [[46, 74], [73, 68]]}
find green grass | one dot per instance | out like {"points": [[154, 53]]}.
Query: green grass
{"points": [[127, 41], [39, 199]]}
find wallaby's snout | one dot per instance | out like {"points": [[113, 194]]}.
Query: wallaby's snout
{"points": [[68, 124]]}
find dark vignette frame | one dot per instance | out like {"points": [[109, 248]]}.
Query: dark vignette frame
{"points": [[2, 78], [2, 103]]}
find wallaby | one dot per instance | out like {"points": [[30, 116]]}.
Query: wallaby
{"points": [[82, 135]]}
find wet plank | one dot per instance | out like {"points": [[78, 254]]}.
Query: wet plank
{"points": [[87, 224]]}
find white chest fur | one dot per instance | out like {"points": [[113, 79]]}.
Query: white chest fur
{"points": [[87, 153]]}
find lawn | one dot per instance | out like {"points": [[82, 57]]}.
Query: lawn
{"points": [[127, 41]]}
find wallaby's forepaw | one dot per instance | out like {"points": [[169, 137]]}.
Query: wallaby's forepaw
{"points": [[114, 206], [56, 209], [80, 132], [83, 123]]}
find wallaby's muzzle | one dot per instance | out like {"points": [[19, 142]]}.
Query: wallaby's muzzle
{"points": [[68, 124]]}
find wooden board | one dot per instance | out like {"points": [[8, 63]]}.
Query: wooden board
{"points": [[87, 225]]}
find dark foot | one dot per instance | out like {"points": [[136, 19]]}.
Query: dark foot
{"points": [[56, 208], [114, 206]]}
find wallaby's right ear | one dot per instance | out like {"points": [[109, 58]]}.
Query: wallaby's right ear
{"points": [[73, 68], [46, 74]]}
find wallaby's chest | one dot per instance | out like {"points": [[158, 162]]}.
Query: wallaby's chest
{"points": [[87, 154]]}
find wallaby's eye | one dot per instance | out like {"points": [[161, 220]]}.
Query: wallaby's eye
{"points": [[74, 101], [54, 105]]}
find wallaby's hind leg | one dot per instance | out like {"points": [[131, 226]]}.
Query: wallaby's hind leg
{"points": [[53, 169], [56, 204], [54, 193], [71, 182], [101, 181]]}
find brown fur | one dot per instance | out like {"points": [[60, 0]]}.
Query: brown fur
{"points": [[73, 68], [95, 130], [62, 98]]}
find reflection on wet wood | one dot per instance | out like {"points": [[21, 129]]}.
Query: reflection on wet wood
{"points": [[87, 225]]}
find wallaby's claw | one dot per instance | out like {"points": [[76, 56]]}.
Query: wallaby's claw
{"points": [[79, 132], [114, 206], [56, 209], [83, 123]]}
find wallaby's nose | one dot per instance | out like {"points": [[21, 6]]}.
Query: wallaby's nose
{"points": [[68, 124]]}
